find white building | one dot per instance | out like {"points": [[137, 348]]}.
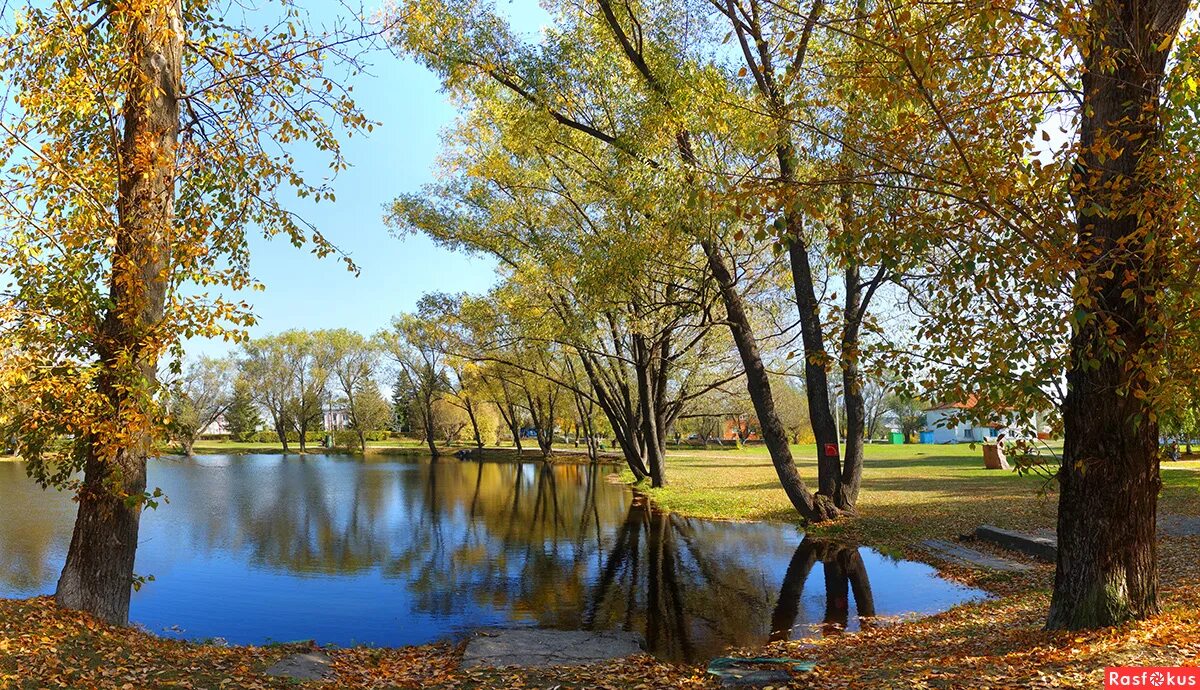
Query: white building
{"points": [[336, 418], [946, 424], [941, 427]]}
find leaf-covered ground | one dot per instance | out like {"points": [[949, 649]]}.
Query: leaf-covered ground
{"points": [[906, 498]]}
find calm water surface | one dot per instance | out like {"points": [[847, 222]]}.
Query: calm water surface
{"points": [[392, 552]]}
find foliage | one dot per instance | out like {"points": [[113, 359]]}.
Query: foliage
{"points": [[909, 413], [242, 419], [198, 399], [250, 94]]}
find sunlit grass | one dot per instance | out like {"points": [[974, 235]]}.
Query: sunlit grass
{"points": [[909, 492]]}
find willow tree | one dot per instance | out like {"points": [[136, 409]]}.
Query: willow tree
{"points": [[612, 75], [142, 142], [592, 260]]}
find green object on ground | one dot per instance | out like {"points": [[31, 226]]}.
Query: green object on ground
{"points": [[897, 438], [727, 667]]}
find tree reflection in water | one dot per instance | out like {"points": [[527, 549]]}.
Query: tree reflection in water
{"points": [[390, 553], [692, 603]]}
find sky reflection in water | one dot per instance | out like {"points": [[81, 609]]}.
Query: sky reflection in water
{"points": [[392, 552]]}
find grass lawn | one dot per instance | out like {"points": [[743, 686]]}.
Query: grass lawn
{"points": [[909, 492]]}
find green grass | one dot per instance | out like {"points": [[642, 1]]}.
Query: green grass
{"points": [[909, 492]]}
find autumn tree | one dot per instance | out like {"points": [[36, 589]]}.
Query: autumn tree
{"points": [[1051, 217], [417, 349], [142, 143], [353, 362], [268, 373], [588, 268], [370, 412], [200, 396], [646, 113]]}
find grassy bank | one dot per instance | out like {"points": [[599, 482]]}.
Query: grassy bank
{"points": [[909, 492]]}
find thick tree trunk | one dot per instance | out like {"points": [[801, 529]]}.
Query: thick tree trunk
{"points": [[813, 508], [1108, 497], [98, 574], [1109, 479]]}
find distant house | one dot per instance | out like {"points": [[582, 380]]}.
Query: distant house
{"points": [[336, 418], [218, 427], [742, 426], [942, 427]]}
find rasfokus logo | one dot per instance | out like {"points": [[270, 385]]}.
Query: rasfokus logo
{"points": [[1151, 677]]}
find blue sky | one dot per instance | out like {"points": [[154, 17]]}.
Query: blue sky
{"points": [[305, 292]]}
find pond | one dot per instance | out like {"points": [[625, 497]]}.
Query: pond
{"points": [[391, 552]]}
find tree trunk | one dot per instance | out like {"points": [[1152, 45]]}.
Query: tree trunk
{"points": [[281, 432], [431, 441], [98, 574], [852, 385], [651, 441], [1109, 479], [816, 376], [813, 508], [470, 407]]}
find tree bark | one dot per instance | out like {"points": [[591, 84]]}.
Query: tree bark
{"points": [[813, 508], [651, 440], [281, 432], [852, 385], [98, 574], [430, 432], [1109, 479], [470, 407]]}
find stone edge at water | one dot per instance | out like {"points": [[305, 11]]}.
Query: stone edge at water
{"points": [[306, 666], [536, 648]]}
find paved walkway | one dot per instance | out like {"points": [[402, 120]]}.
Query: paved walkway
{"points": [[971, 558], [528, 647]]}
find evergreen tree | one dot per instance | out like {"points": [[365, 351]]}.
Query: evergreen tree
{"points": [[242, 418], [402, 400]]}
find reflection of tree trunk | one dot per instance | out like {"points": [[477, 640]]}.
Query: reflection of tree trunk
{"points": [[837, 596], [864, 599], [672, 602], [478, 484], [787, 607], [844, 572], [624, 553]]}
